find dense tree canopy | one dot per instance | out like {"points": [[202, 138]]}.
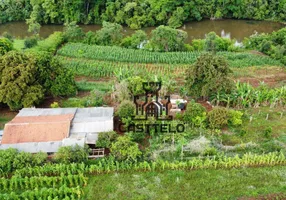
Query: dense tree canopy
{"points": [[26, 78], [109, 34], [209, 75], [165, 38], [138, 13]]}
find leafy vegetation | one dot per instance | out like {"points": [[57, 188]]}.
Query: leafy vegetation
{"points": [[210, 74], [32, 79], [244, 95], [271, 44], [5, 46], [137, 15], [164, 38]]}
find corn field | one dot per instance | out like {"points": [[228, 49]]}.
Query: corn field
{"points": [[99, 69], [118, 54], [110, 165], [47, 182], [64, 181], [61, 193]]}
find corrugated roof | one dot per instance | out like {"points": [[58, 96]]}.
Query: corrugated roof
{"points": [[67, 126], [37, 129], [73, 141], [91, 126], [92, 120], [100, 113], [34, 147], [46, 111]]}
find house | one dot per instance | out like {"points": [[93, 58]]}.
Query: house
{"points": [[36, 129]]}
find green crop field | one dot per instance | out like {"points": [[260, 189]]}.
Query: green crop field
{"points": [[118, 54]]}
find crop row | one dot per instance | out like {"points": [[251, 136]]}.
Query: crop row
{"points": [[110, 165], [118, 54], [244, 95], [52, 170], [98, 69], [19, 183], [62, 193]]}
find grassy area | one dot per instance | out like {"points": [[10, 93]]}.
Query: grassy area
{"points": [[266, 134], [84, 85], [199, 184], [256, 121], [18, 44], [5, 119]]}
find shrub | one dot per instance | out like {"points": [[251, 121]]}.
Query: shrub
{"points": [[135, 41], [188, 47], [90, 38], [68, 154], [52, 43], [126, 109], [218, 117], [63, 83], [55, 105], [30, 42], [94, 99], [122, 91], [72, 32], [109, 34], [165, 38], [39, 158], [210, 151], [135, 85], [5, 46], [125, 149], [268, 132], [198, 44], [235, 117], [136, 136], [195, 113], [265, 46], [105, 139], [215, 43]]}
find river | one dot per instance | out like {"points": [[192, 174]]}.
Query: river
{"points": [[235, 29]]}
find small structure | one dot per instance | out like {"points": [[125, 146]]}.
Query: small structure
{"points": [[34, 130]]}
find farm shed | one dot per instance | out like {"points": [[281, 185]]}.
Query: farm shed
{"points": [[46, 130]]}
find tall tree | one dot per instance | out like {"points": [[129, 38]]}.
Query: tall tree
{"points": [[209, 75]]}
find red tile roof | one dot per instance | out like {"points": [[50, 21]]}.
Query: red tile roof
{"points": [[37, 129]]}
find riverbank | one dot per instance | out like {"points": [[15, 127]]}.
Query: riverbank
{"points": [[231, 28]]}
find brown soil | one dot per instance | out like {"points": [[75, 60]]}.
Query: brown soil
{"points": [[271, 81], [205, 104], [271, 76], [48, 101]]}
